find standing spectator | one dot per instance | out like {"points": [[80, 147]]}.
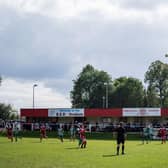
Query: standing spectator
{"points": [[90, 127], [121, 135]]}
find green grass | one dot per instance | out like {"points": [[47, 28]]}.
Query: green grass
{"points": [[51, 153]]}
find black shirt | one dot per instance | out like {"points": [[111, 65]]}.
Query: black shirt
{"points": [[120, 133]]}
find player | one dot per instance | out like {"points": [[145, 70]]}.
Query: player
{"points": [[150, 132], [42, 132], [72, 133], [82, 137], [9, 132], [77, 134], [146, 134], [16, 131], [163, 133], [61, 133], [121, 135]]}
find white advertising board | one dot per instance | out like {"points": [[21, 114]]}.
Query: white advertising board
{"points": [[141, 112], [65, 112]]}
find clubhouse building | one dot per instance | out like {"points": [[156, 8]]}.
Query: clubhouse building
{"points": [[103, 117]]}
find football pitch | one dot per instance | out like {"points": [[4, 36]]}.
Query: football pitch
{"points": [[51, 153]]}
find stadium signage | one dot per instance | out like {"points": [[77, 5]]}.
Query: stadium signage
{"points": [[65, 112], [141, 112]]}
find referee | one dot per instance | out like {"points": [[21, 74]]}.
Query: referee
{"points": [[121, 135]]}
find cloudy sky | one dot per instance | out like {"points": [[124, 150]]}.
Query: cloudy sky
{"points": [[48, 42]]}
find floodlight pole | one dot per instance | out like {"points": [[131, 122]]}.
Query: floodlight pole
{"points": [[103, 101], [35, 85], [106, 84]]}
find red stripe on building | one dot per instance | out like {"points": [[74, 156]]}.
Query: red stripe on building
{"points": [[164, 112], [34, 112], [116, 112]]}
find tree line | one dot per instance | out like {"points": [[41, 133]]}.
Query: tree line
{"points": [[93, 87]]}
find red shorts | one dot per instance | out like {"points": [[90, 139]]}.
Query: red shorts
{"points": [[9, 134], [163, 137], [43, 135]]}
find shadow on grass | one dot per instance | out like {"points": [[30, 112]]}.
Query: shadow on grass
{"points": [[159, 144], [73, 148], [109, 155], [36, 142], [140, 144], [44, 142], [5, 142]]}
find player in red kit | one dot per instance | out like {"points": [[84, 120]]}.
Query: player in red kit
{"points": [[82, 137], [9, 132], [163, 134], [43, 132]]}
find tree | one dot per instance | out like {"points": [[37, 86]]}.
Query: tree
{"points": [[14, 115], [157, 78], [6, 111], [89, 89], [128, 92], [152, 98]]}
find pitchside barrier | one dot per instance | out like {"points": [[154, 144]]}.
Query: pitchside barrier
{"points": [[90, 127], [98, 127]]}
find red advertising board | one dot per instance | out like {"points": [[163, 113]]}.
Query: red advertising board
{"points": [[164, 112], [116, 112], [34, 112]]}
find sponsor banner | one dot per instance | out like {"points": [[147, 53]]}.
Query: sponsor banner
{"points": [[65, 112], [141, 112]]}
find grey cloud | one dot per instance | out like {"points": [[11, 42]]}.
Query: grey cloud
{"points": [[41, 48], [141, 5], [126, 49], [32, 46]]}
